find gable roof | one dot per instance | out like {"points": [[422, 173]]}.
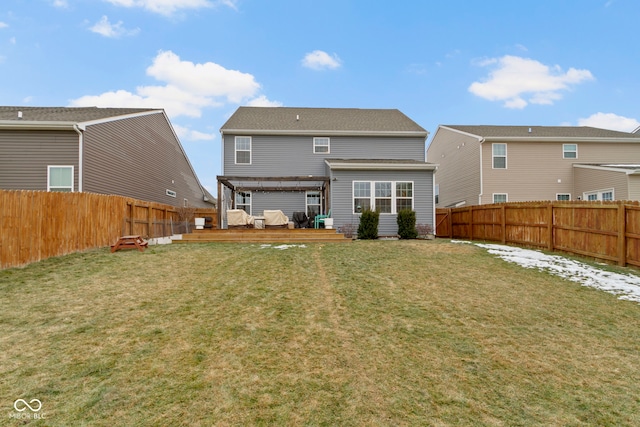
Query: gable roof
{"points": [[65, 114], [543, 132], [321, 122]]}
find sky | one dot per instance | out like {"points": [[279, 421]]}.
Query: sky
{"points": [[464, 62]]}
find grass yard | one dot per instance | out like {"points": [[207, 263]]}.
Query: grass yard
{"points": [[387, 333]]}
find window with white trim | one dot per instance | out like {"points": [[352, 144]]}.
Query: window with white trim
{"points": [[313, 203], [361, 196], [243, 201], [563, 197], [499, 153], [243, 150], [321, 145], [569, 151], [404, 196], [60, 178], [387, 197], [500, 198], [603, 195]]}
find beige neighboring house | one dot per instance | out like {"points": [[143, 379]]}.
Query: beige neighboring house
{"points": [[493, 164]]}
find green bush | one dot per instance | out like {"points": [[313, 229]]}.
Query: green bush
{"points": [[407, 224], [368, 228]]}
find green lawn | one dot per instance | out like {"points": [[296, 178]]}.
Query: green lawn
{"points": [[386, 333]]}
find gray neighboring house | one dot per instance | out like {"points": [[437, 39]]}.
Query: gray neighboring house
{"points": [[321, 160], [491, 164], [123, 151]]}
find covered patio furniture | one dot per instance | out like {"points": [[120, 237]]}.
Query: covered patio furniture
{"points": [[238, 218], [275, 219], [300, 220], [319, 219]]}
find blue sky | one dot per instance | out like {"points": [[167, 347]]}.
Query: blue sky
{"points": [[525, 62]]}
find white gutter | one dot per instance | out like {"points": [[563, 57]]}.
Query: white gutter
{"points": [[381, 166], [36, 125], [321, 132], [80, 155]]}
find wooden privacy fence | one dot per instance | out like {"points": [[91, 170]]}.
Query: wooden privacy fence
{"points": [[35, 225], [608, 231]]}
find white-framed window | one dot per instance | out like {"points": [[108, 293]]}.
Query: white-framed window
{"points": [[243, 201], [321, 145], [500, 198], [314, 203], [361, 196], [387, 197], [60, 178], [569, 151], [170, 193], [243, 150], [437, 193], [499, 154], [563, 197], [383, 197], [404, 195], [603, 195]]}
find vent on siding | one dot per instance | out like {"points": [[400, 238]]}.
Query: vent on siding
{"points": [[170, 193]]}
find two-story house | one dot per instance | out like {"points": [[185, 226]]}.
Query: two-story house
{"points": [[493, 164], [130, 152], [326, 160]]}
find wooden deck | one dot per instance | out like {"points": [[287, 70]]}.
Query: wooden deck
{"points": [[275, 235]]}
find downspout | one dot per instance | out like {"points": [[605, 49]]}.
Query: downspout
{"points": [[481, 140], [80, 155]]}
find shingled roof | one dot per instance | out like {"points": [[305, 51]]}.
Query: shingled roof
{"points": [[533, 132], [65, 114], [321, 120]]}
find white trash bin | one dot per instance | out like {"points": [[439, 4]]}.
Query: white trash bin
{"points": [[328, 223], [199, 223]]}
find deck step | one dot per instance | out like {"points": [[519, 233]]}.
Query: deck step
{"points": [[298, 235]]}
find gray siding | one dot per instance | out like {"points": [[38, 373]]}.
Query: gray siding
{"points": [[634, 187], [139, 157], [458, 159], [25, 155], [342, 194], [293, 155]]}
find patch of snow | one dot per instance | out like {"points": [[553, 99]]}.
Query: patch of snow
{"points": [[627, 286], [281, 247]]}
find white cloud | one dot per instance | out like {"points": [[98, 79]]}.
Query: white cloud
{"points": [[320, 60], [188, 88], [262, 101], [610, 121], [60, 3], [3, 25], [169, 7], [519, 81], [186, 134], [12, 40], [107, 29]]}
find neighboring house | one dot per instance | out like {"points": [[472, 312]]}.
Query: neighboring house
{"points": [[492, 164], [124, 151], [317, 160]]}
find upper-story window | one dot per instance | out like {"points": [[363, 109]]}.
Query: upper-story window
{"points": [[569, 151], [60, 178], [499, 156], [500, 198], [243, 150], [320, 145]]}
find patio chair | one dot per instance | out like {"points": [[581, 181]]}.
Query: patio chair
{"points": [[319, 219], [275, 219], [238, 218]]}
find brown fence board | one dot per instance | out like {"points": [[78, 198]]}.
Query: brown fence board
{"points": [[36, 225], [609, 231]]}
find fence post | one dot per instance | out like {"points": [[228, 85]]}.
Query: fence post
{"points": [[550, 227], [470, 222], [504, 224], [622, 234], [450, 222]]}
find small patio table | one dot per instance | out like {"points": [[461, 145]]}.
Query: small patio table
{"points": [[130, 242]]}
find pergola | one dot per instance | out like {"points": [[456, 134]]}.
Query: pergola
{"points": [[268, 184]]}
